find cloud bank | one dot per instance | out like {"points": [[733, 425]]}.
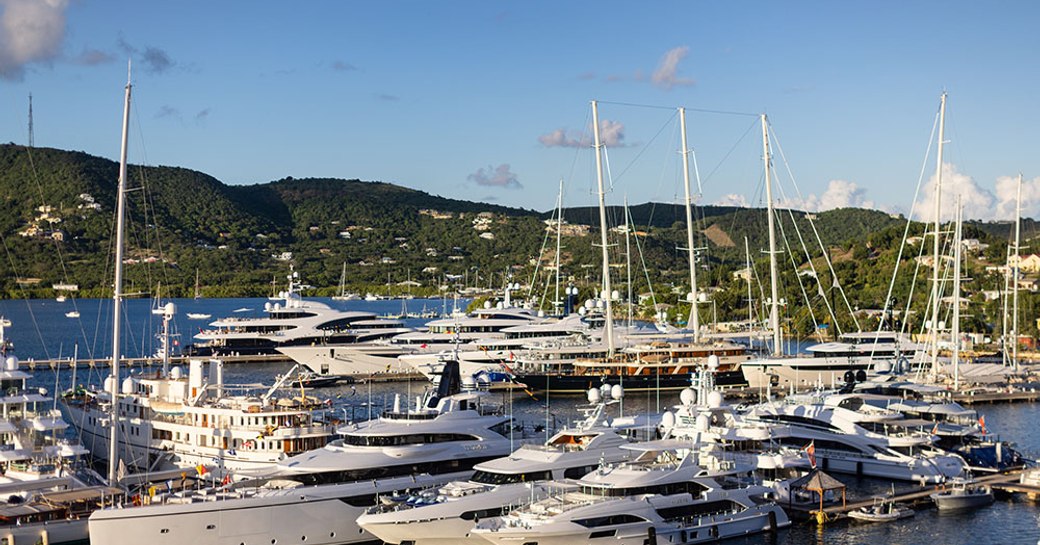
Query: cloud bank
{"points": [[30, 31]]}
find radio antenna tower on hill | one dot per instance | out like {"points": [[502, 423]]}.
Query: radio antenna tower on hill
{"points": [[30, 122]]}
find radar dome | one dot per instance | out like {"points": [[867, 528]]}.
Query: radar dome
{"points": [[487, 304], [617, 392], [267, 307], [594, 395], [11, 363], [688, 396], [668, 419], [128, 386], [469, 382], [604, 390], [109, 382], [713, 362], [714, 400], [701, 424], [176, 372]]}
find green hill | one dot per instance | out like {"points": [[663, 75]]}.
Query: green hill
{"points": [[56, 217]]}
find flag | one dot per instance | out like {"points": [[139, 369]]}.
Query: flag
{"points": [[423, 345], [200, 469], [227, 479], [512, 356], [935, 429], [810, 449], [982, 424]]}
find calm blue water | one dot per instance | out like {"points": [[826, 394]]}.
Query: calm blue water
{"points": [[41, 330]]}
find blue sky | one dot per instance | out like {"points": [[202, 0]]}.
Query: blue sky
{"points": [[479, 100]]}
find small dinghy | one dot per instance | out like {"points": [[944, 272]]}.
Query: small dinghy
{"points": [[962, 495], [883, 511]]}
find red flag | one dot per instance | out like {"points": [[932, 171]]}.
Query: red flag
{"points": [[810, 449], [982, 424], [227, 479], [935, 429]]}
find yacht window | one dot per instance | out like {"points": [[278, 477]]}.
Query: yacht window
{"points": [[482, 513], [688, 512], [609, 520], [578, 472], [368, 500], [487, 477]]}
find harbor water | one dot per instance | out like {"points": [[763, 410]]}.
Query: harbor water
{"points": [[40, 330]]}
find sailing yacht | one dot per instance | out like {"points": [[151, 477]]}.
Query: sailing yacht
{"points": [[342, 294], [316, 497]]}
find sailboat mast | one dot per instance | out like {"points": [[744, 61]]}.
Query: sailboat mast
{"points": [[750, 301], [117, 297], [935, 241], [694, 321], [608, 329], [1014, 304], [559, 236], [956, 334], [774, 306]]}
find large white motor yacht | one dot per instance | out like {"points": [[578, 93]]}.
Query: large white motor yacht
{"points": [[446, 515], [316, 497], [291, 320], [169, 420], [673, 492], [47, 487], [853, 437]]}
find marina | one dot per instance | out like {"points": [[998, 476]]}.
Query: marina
{"points": [[433, 356]]}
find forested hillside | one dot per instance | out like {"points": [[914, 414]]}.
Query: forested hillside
{"points": [[56, 218]]}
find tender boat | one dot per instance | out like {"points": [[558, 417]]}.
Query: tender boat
{"points": [[882, 511], [962, 495], [199, 316]]}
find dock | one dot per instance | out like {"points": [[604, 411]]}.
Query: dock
{"points": [[87, 363], [914, 496]]}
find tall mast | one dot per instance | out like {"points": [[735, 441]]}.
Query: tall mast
{"points": [[935, 241], [695, 322], [1014, 305], [774, 305], [559, 236], [956, 333], [750, 301], [608, 330], [117, 296]]}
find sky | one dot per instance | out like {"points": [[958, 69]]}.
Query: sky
{"points": [[490, 101]]}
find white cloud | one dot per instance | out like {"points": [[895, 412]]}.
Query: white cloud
{"points": [[732, 199], [30, 31], [611, 135], [499, 176], [839, 194], [1007, 194], [666, 75], [978, 202]]}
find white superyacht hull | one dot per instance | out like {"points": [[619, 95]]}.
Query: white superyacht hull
{"points": [[350, 359], [317, 515], [452, 521], [707, 529]]}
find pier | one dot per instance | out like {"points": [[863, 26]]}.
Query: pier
{"points": [[915, 496]]}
